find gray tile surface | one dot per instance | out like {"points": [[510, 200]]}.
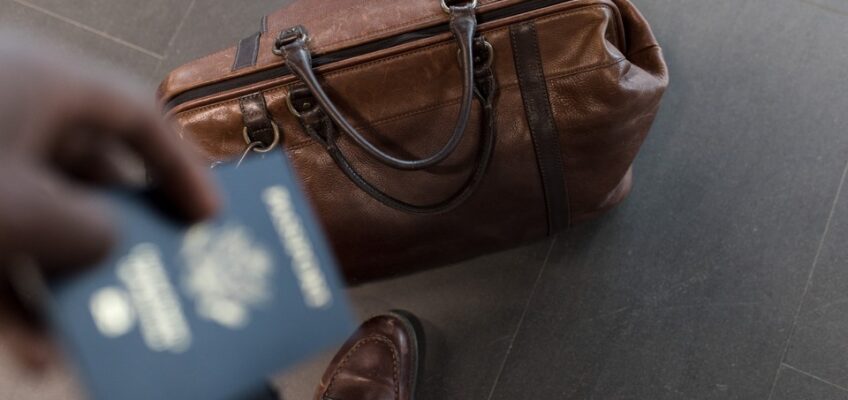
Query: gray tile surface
{"points": [[149, 24], [722, 277], [28, 23], [836, 6], [820, 341], [798, 385]]}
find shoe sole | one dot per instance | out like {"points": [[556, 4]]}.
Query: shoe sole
{"points": [[416, 331]]}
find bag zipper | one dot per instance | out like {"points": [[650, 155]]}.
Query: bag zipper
{"points": [[329, 58]]}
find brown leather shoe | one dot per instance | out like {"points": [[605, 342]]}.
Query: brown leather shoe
{"points": [[379, 362]]}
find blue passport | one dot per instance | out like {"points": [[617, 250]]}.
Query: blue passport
{"points": [[210, 311]]}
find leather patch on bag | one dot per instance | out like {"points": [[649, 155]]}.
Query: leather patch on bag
{"points": [[247, 52]]}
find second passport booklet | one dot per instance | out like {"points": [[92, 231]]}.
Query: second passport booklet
{"points": [[209, 311]]}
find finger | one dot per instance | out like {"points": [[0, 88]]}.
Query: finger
{"points": [[61, 226], [114, 111], [33, 349], [27, 339], [101, 161], [177, 172]]}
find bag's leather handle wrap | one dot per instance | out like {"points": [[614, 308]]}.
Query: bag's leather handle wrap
{"points": [[259, 127], [319, 126], [463, 24]]}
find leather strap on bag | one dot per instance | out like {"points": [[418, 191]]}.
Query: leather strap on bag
{"points": [[292, 45], [321, 118], [320, 127], [540, 120], [258, 126]]}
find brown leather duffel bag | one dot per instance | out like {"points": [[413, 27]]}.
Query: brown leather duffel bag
{"points": [[428, 132]]}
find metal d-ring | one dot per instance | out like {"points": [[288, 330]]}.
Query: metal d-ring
{"points": [[489, 60], [447, 9], [290, 104], [267, 148]]}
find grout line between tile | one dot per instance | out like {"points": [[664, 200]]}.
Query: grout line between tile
{"points": [[521, 319], [90, 29], [809, 279], [177, 32], [825, 7], [807, 374], [156, 79]]}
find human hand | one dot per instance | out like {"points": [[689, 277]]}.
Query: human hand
{"points": [[66, 128]]}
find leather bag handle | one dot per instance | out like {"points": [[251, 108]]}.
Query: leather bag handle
{"points": [[292, 44], [318, 125]]}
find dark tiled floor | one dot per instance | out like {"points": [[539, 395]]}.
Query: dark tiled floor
{"points": [[75, 37], [149, 24], [722, 277], [819, 344], [793, 384]]}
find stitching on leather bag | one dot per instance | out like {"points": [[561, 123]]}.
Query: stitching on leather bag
{"points": [[269, 92], [539, 77], [300, 145], [199, 60], [256, 39], [557, 155], [236, 57], [357, 67], [549, 80], [353, 68], [375, 338], [195, 111], [447, 44], [393, 27], [310, 142], [437, 106], [618, 35], [436, 46], [373, 33], [644, 49], [419, 111], [540, 19]]}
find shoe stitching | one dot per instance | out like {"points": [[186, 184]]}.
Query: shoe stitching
{"points": [[374, 338]]}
